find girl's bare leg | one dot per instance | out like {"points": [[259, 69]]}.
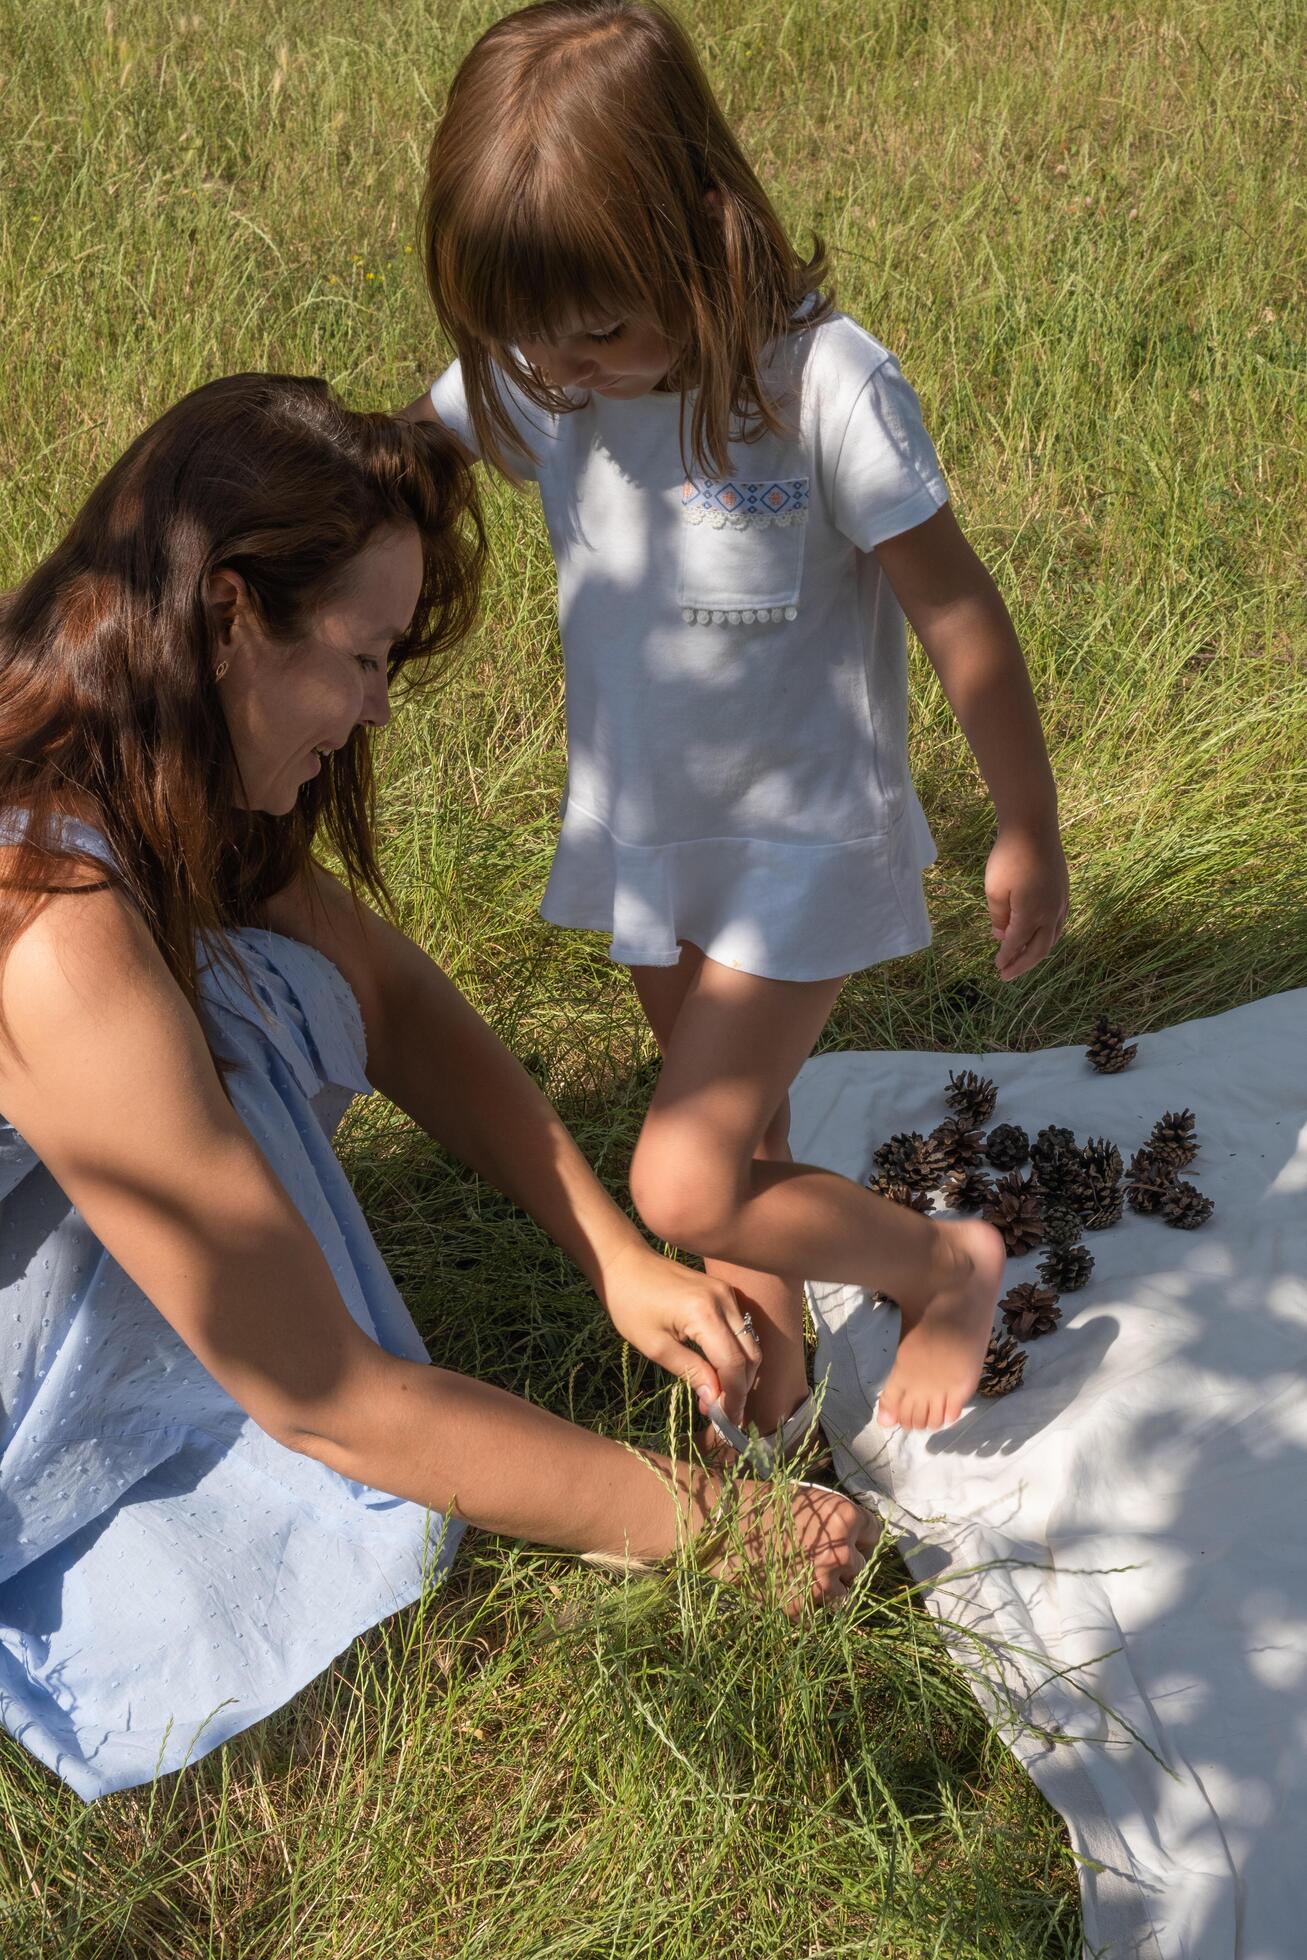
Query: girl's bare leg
{"points": [[774, 1300], [735, 1046]]}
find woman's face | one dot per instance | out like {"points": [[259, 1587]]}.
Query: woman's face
{"points": [[289, 703]]}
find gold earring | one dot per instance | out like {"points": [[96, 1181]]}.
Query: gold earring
{"points": [[220, 670]]}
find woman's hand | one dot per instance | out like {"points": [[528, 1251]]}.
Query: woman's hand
{"points": [[1027, 892], [660, 1308], [814, 1542]]}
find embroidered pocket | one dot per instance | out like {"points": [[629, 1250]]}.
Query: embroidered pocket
{"points": [[741, 550]]}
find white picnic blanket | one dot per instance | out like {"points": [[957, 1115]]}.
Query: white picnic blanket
{"points": [[1118, 1550]]}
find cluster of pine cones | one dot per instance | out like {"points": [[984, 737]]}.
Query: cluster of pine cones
{"points": [[1070, 1189]]}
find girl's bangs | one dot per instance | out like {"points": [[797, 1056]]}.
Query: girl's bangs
{"points": [[540, 278]]}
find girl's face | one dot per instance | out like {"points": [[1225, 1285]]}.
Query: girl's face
{"points": [[620, 359], [289, 703]]}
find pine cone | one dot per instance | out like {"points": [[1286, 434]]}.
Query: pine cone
{"points": [[971, 1096], [1186, 1207], [1104, 1208], [1058, 1169], [1173, 1140], [1062, 1226], [1107, 1050], [1029, 1311], [956, 1143], [1014, 1207], [900, 1193], [1007, 1146], [891, 1156], [1052, 1145], [1147, 1181], [1102, 1160], [966, 1190], [1004, 1366], [910, 1158], [1103, 1203], [1066, 1267]]}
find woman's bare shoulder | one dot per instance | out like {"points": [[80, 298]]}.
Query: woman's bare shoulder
{"points": [[316, 908], [83, 949]]}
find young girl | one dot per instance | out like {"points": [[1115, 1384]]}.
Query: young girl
{"points": [[743, 504]]}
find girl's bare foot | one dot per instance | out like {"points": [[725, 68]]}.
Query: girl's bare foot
{"points": [[945, 1332]]}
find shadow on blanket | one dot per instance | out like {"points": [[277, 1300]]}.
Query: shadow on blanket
{"points": [[999, 1428]]}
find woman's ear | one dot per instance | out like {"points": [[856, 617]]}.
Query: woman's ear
{"points": [[227, 602]]}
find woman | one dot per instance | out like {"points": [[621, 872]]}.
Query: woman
{"points": [[224, 1453]]}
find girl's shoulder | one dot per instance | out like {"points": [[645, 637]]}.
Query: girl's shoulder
{"points": [[847, 393], [871, 464], [838, 358]]}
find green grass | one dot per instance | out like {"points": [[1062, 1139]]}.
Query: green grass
{"points": [[1078, 225]]}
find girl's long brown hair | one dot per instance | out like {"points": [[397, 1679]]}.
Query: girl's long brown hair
{"points": [[570, 177], [109, 709]]}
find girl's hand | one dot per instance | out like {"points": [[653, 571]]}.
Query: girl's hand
{"points": [[660, 1307], [1027, 890]]}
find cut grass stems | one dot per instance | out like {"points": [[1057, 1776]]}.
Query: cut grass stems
{"points": [[1079, 228]]}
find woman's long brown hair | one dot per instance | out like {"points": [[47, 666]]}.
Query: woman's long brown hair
{"points": [[570, 176], [109, 709]]}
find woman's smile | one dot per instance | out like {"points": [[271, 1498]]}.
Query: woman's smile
{"points": [[334, 669]]}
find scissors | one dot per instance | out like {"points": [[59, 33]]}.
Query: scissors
{"points": [[758, 1452]]}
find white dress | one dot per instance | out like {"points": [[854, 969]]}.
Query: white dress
{"points": [[736, 668]]}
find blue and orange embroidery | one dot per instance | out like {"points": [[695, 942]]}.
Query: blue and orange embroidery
{"points": [[728, 501]]}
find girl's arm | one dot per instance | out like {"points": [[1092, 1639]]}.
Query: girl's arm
{"points": [[422, 411], [961, 621], [436, 1059]]}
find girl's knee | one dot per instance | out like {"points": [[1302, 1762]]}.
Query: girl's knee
{"points": [[681, 1195]]}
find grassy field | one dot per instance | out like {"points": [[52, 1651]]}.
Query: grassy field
{"points": [[1078, 226]]}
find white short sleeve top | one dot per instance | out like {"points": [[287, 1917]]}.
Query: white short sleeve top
{"points": [[736, 666]]}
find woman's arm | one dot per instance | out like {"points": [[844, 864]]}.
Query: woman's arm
{"points": [[436, 1059], [961, 621], [106, 1075], [108, 1078]]}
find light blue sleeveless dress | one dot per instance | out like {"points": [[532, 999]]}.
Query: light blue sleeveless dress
{"points": [[168, 1573]]}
